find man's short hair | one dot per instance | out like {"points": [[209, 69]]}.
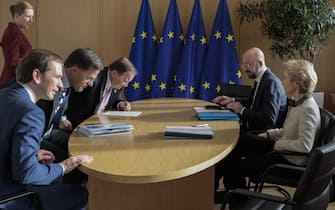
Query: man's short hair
{"points": [[35, 59], [122, 65], [84, 58]]}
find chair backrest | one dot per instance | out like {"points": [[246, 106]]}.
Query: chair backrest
{"points": [[327, 129], [312, 190], [234, 90]]}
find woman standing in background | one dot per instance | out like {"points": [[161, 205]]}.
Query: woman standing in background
{"points": [[14, 43]]}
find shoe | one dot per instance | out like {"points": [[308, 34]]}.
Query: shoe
{"points": [[219, 196]]}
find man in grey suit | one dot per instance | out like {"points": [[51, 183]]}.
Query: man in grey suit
{"points": [[22, 163]]}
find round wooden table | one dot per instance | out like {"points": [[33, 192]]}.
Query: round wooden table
{"points": [[142, 170]]}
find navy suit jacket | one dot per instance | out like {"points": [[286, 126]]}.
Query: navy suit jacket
{"points": [[20, 137], [269, 109], [84, 104]]}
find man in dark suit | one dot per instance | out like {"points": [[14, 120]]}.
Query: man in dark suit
{"points": [[80, 70], [265, 108], [22, 163], [107, 92]]}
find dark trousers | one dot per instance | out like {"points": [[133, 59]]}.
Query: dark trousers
{"points": [[61, 196], [248, 158], [57, 143]]}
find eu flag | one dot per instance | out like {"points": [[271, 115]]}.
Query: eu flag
{"points": [[221, 64], [171, 44], [142, 54], [187, 76]]}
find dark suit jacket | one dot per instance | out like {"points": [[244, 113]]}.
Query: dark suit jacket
{"points": [[269, 109], [84, 104], [20, 137]]}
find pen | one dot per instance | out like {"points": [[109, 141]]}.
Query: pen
{"points": [[201, 125]]}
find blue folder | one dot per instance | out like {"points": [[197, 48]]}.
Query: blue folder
{"points": [[217, 116]]}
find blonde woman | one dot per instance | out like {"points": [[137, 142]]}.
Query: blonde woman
{"points": [[298, 133], [14, 43]]}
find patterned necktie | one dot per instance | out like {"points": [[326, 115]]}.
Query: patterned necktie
{"points": [[57, 113], [104, 100]]}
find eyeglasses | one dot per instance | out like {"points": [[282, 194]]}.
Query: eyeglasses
{"points": [[245, 66]]}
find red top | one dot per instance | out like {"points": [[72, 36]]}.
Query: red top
{"points": [[14, 46]]}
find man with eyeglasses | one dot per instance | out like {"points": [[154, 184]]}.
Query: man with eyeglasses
{"points": [[265, 108], [80, 70]]}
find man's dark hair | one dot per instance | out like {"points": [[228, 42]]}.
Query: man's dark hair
{"points": [[84, 58], [122, 65], [35, 59]]}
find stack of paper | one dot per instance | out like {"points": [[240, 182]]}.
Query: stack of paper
{"points": [[203, 132], [215, 114], [100, 129]]}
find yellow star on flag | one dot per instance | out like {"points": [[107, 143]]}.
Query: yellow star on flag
{"points": [[162, 86], [182, 87], [182, 37], [133, 40], [144, 34], [192, 89], [193, 37], [218, 88], [231, 82], [218, 35], [175, 78], [230, 38], [154, 37], [206, 85], [136, 85], [153, 77], [161, 40], [147, 87], [239, 74], [171, 35], [203, 40]]}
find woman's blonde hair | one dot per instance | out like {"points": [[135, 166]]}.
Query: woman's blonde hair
{"points": [[302, 72], [19, 8]]}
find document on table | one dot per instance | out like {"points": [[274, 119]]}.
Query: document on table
{"points": [[121, 113], [215, 114], [92, 130], [194, 132]]}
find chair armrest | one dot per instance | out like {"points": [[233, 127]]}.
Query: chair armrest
{"points": [[14, 196], [290, 153], [257, 195]]}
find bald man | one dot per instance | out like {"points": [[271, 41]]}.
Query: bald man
{"points": [[266, 106]]}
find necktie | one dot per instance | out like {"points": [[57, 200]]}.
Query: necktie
{"points": [[104, 100], [58, 111], [254, 92]]}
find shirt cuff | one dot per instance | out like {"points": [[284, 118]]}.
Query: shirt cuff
{"points": [[63, 118], [242, 110], [62, 168]]}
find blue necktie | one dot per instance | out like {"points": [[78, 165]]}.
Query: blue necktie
{"points": [[57, 113]]}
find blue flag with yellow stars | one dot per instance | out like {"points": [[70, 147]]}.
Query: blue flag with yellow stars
{"points": [[187, 76], [221, 63], [171, 44], [142, 54]]}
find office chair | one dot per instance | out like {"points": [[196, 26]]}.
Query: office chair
{"points": [[312, 191], [11, 192], [289, 175], [234, 90]]}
